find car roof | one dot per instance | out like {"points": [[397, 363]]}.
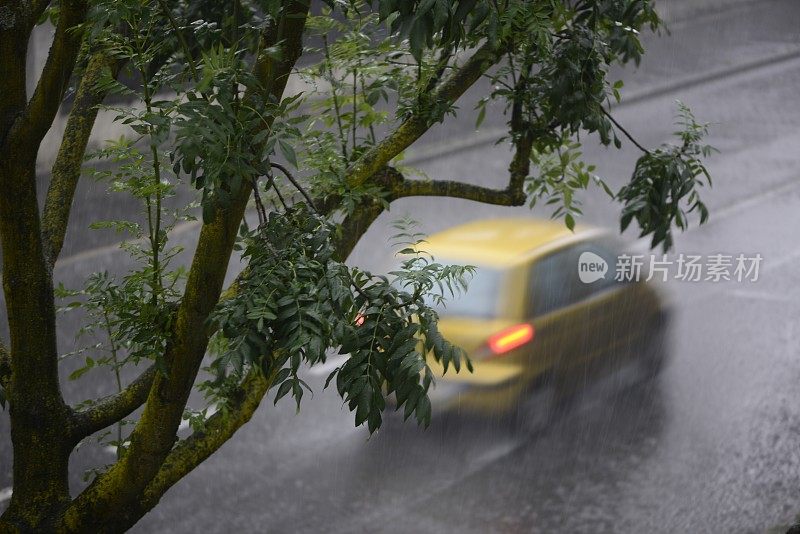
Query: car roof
{"points": [[500, 242]]}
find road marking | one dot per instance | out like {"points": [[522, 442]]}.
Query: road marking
{"points": [[5, 494], [491, 455]]}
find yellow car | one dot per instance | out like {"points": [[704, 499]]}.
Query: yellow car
{"points": [[544, 307]]}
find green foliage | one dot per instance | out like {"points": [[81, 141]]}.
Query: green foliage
{"points": [[561, 173], [205, 119], [663, 188], [220, 136], [554, 86], [122, 328], [376, 64], [296, 304]]}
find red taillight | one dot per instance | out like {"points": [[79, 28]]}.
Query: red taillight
{"points": [[510, 338]]}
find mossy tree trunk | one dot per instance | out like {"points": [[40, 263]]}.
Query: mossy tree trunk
{"points": [[40, 420]]}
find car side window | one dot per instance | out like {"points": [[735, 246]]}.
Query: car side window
{"points": [[556, 280], [550, 286]]}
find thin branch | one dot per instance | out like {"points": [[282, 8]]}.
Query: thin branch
{"points": [[181, 38], [623, 130], [493, 79], [412, 128], [336, 108], [355, 108], [117, 377], [114, 408], [295, 183], [154, 225], [280, 197], [372, 137], [260, 210]]}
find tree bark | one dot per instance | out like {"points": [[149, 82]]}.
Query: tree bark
{"points": [[106, 504], [40, 420], [38, 413]]}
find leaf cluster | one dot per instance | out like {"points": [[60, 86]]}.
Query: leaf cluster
{"points": [[296, 304], [664, 187]]}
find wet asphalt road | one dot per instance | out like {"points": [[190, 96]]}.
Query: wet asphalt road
{"points": [[712, 446]]}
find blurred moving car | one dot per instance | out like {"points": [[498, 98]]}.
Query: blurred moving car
{"points": [[544, 310]]}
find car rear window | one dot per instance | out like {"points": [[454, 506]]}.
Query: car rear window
{"points": [[479, 301]]}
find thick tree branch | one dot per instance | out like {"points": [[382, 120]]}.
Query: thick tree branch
{"points": [[38, 414], [37, 9], [194, 450], [155, 433], [412, 128], [46, 99], [518, 170], [522, 138], [14, 39], [510, 196], [114, 408], [39, 417], [67, 167], [355, 225]]}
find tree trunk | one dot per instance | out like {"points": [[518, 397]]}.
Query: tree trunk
{"points": [[39, 417]]}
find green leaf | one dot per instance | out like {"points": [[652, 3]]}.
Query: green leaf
{"points": [[288, 152], [364, 405], [284, 388], [481, 117], [330, 377], [418, 37], [77, 373]]}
